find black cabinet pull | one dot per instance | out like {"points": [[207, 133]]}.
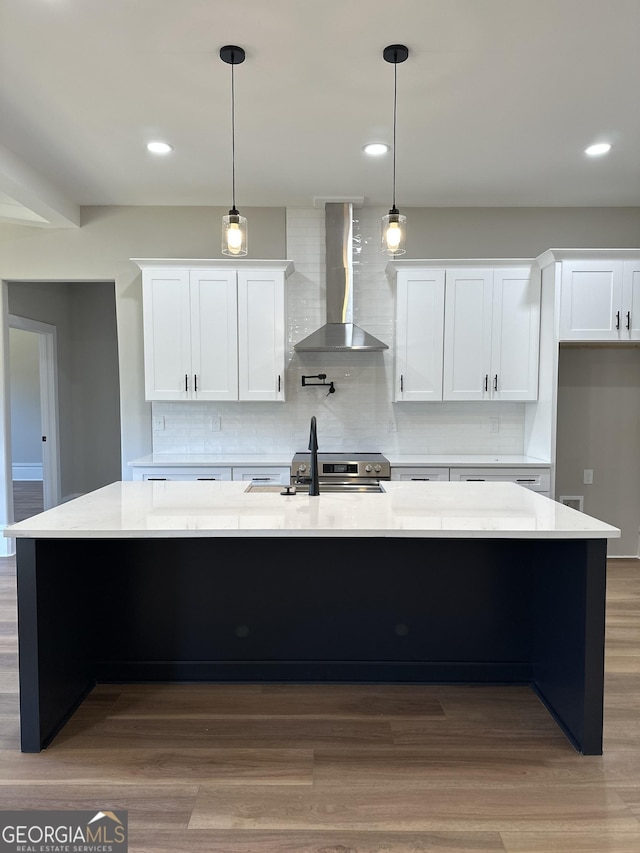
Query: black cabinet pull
{"points": [[486, 382], [401, 383], [195, 382], [523, 480], [279, 383], [156, 478], [628, 320], [207, 478], [495, 382], [421, 479], [186, 382], [617, 319], [475, 479]]}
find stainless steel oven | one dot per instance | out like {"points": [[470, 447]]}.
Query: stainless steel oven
{"points": [[342, 472]]}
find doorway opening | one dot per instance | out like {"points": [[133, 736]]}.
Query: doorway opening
{"points": [[79, 388], [35, 450]]}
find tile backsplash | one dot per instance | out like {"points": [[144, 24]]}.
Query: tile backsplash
{"points": [[360, 415]]}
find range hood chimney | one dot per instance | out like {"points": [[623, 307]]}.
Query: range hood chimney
{"points": [[339, 334]]}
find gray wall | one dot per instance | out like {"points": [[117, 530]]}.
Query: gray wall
{"points": [[101, 250], [599, 428], [88, 386], [26, 433]]}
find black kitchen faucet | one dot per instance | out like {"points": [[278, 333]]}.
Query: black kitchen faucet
{"points": [[314, 486]]}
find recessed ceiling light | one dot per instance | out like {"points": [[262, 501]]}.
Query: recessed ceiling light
{"points": [[598, 149], [375, 149], [159, 147]]}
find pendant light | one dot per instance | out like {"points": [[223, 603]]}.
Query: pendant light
{"points": [[394, 224], [234, 226]]}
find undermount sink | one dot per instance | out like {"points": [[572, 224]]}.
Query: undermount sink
{"points": [[325, 488]]}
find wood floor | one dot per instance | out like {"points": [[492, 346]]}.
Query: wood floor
{"points": [[27, 499], [341, 769]]}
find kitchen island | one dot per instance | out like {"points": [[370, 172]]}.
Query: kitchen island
{"points": [[427, 582]]}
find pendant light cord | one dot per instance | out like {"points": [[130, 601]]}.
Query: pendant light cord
{"points": [[233, 140], [395, 102]]}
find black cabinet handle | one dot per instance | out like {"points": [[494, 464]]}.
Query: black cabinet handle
{"points": [[421, 479], [207, 478], [486, 382], [279, 383], [475, 479], [401, 383], [195, 382], [522, 480], [186, 382], [617, 319], [495, 382], [628, 320], [156, 478]]}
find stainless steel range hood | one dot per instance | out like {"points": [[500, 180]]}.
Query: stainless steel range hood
{"points": [[339, 334]]}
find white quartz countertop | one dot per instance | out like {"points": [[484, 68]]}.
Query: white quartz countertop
{"points": [[185, 460], [162, 509], [201, 460]]}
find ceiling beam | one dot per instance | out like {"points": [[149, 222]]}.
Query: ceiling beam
{"points": [[44, 203]]}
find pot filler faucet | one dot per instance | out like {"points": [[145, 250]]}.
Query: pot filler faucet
{"points": [[314, 486]]}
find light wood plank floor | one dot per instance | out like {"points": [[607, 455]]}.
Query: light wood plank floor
{"points": [[341, 769]]}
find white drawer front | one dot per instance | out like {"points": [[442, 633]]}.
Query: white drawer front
{"points": [[536, 479], [420, 473], [204, 473], [263, 476]]}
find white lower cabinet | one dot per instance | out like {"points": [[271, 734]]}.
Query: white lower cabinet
{"points": [[255, 474], [263, 476], [536, 479], [420, 473], [175, 473]]}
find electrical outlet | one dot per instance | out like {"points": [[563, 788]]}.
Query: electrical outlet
{"points": [[494, 424], [215, 423], [158, 422], [393, 426], [587, 477]]}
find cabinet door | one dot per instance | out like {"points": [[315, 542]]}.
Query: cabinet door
{"points": [[167, 336], [419, 335], [467, 334], [631, 301], [214, 335], [421, 474], [591, 300], [515, 333], [261, 335]]}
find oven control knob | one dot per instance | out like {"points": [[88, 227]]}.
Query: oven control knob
{"points": [[368, 469], [302, 468], [377, 468]]}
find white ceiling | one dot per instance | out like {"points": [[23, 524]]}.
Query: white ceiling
{"points": [[496, 103]]}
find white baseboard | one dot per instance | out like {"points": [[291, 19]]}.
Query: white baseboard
{"points": [[26, 470], [7, 546]]}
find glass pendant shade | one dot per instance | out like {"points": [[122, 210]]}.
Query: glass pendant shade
{"points": [[234, 234], [394, 233]]}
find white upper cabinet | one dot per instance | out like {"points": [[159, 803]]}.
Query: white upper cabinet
{"points": [[600, 300], [214, 332], [491, 337], [419, 335], [261, 335]]}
